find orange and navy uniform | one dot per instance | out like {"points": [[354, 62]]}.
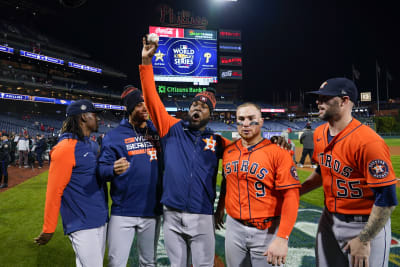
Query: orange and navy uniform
{"points": [[72, 187], [261, 183], [190, 157], [353, 162]]}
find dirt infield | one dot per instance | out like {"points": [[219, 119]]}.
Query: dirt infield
{"points": [[394, 150], [17, 175]]}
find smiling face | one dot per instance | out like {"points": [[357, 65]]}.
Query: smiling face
{"points": [[199, 115], [249, 122], [140, 113]]}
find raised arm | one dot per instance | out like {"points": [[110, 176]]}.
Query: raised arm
{"points": [[158, 114]]}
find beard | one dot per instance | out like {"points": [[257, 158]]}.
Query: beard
{"points": [[198, 125], [331, 113]]}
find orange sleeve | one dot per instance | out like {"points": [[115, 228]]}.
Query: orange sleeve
{"points": [[62, 163], [290, 207], [158, 114], [285, 171], [376, 163]]}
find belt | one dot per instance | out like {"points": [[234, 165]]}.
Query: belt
{"points": [[251, 224], [351, 218]]}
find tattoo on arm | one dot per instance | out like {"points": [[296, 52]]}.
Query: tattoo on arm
{"points": [[377, 220]]}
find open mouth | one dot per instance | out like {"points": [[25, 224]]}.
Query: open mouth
{"points": [[196, 116]]}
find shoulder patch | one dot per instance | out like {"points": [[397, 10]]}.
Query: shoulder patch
{"points": [[378, 168], [293, 172]]}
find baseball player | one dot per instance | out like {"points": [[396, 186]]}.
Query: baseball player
{"points": [[262, 195], [129, 158], [358, 181], [191, 154], [74, 190]]}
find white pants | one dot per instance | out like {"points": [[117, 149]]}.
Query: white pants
{"points": [[189, 237], [245, 246], [121, 233], [89, 246]]}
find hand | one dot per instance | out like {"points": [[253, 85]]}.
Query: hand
{"points": [[121, 165], [219, 218], [148, 51], [277, 251], [281, 141], [43, 238], [359, 252]]}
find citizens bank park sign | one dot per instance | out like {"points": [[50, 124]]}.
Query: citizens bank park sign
{"points": [[173, 90]]}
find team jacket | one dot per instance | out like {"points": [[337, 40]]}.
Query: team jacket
{"points": [[255, 178], [355, 160], [190, 157], [73, 185], [137, 191]]}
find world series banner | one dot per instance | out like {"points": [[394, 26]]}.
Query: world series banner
{"points": [[185, 57]]}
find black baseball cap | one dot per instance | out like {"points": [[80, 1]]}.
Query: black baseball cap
{"points": [[338, 87], [81, 106]]}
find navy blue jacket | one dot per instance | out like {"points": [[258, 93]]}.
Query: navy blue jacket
{"points": [[191, 157], [137, 191], [73, 188]]}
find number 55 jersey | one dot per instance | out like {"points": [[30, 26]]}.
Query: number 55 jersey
{"points": [[256, 181], [353, 162]]}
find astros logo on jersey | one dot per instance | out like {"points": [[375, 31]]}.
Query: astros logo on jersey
{"points": [[152, 153], [210, 143], [293, 172], [378, 168]]}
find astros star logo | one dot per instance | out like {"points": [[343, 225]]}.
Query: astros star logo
{"points": [[210, 143], [159, 56], [378, 168], [153, 154]]}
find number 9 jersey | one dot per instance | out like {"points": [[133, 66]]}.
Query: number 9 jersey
{"points": [[254, 178], [355, 160]]}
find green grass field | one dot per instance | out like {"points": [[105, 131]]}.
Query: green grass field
{"points": [[21, 219]]}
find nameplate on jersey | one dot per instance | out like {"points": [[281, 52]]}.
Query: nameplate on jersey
{"points": [[328, 161], [253, 169]]}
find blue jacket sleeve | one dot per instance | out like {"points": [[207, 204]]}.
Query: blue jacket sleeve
{"points": [[105, 166]]}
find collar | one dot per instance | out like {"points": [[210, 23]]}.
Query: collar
{"points": [[351, 127]]}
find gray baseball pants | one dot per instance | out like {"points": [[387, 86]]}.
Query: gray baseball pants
{"points": [[189, 237], [121, 233], [333, 234], [89, 246], [245, 246]]}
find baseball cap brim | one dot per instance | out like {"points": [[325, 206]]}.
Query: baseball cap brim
{"points": [[323, 92]]}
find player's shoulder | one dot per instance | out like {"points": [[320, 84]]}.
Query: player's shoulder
{"points": [[64, 147], [365, 135], [321, 128]]}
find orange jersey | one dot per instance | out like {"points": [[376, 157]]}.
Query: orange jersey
{"points": [[355, 160], [254, 179]]}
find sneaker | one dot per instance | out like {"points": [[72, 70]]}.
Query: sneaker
{"points": [[20, 167], [39, 167], [300, 165], [314, 166], [26, 166], [4, 186]]}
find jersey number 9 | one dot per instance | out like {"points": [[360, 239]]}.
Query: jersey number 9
{"points": [[260, 189]]}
